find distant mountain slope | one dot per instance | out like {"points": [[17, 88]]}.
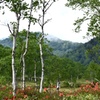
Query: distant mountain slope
{"points": [[80, 54], [6, 42], [60, 47]]}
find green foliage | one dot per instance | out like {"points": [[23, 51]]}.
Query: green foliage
{"points": [[3, 80], [4, 51], [92, 71], [35, 3], [84, 97], [63, 69], [5, 62], [33, 53], [54, 66], [17, 6], [91, 12]]}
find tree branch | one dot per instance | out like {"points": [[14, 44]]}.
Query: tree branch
{"points": [[10, 29], [48, 7], [97, 9], [1, 1], [47, 21], [47, 3], [39, 19]]}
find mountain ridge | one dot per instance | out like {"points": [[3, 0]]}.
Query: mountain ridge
{"points": [[8, 42], [68, 49]]}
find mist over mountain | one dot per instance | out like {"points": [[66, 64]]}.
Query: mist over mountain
{"points": [[52, 38], [8, 42]]}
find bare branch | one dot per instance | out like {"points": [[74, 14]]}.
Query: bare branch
{"points": [[46, 3], [10, 29], [97, 9], [2, 1], [39, 19], [47, 21], [39, 23], [48, 7]]}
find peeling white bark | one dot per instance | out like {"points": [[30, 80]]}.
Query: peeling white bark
{"points": [[45, 6], [13, 66], [26, 47], [42, 65]]}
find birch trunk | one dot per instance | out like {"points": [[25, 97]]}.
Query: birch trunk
{"points": [[40, 46], [42, 65], [14, 34], [26, 46], [45, 6], [35, 74], [13, 66]]}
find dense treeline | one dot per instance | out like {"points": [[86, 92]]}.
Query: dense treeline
{"points": [[56, 67], [79, 52]]}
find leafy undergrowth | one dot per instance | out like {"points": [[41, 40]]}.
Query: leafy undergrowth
{"points": [[85, 92]]}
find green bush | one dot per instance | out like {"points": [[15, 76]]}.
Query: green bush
{"points": [[83, 97], [3, 80]]}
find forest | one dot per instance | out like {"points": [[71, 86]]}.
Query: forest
{"points": [[31, 65]]}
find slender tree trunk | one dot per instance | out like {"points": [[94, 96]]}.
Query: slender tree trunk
{"points": [[13, 66], [42, 64], [14, 34], [35, 74], [45, 6], [23, 69], [41, 51], [26, 46]]}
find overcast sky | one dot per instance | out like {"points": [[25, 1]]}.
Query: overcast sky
{"points": [[60, 26]]}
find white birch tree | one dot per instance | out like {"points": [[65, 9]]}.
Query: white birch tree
{"points": [[14, 34], [17, 7], [26, 45], [45, 5]]}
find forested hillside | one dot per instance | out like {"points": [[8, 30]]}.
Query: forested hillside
{"points": [[60, 47], [79, 52], [85, 53], [58, 67], [67, 54]]}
